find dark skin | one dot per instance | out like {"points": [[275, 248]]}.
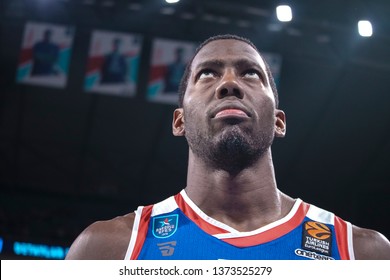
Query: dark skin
{"points": [[228, 93]]}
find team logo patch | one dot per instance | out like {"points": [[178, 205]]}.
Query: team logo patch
{"points": [[165, 226], [317, 237]]}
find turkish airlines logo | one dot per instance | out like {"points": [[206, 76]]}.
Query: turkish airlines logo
{"points": [[317, 230]]}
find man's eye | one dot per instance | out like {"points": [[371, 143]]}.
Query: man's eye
{"points": [[206, 74], [252, 74]]}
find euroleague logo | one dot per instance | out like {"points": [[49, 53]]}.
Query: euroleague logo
{"points": [[317, 237], [317, 230]]}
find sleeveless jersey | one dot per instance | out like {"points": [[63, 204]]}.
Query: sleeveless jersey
{"points": [[176, 229]]}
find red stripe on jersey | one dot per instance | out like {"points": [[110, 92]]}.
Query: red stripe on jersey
{"points": [[342, 237], [272, 233], [190, 213], [142, 231], [245, 241]]}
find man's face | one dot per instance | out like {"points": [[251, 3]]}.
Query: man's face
{"points": [[116, 45], [47, 36], [229, 113]]}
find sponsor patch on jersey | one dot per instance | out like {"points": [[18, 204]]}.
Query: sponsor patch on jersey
{"points": [[167, 249], [165, 226], [311, 255], [317, 237]]}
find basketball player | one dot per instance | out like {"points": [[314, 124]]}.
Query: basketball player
{"points": [[231, 207]]}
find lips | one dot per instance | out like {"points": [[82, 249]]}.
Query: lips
{"points": [[231, 112], [230, 109]]}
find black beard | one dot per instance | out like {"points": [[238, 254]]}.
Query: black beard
{"points": [[233, 151]]}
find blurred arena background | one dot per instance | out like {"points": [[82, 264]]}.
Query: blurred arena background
{"points": [[69, 157]]}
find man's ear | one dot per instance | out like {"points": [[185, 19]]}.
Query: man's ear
{"points": [[178, 122], [280, 124]]}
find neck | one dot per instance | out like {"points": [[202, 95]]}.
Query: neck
{"points": [[245, 200]]}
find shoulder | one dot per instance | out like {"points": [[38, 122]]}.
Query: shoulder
{"points": [[370, 245], [103, 240]]}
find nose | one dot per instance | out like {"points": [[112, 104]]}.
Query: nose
{"points": [[229, 86]]}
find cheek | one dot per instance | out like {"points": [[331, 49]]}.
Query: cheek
{"points": [[189, 99], [190, 115], [269, 95], [194, 107], [265, 107]]}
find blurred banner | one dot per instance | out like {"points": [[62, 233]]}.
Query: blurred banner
{"points": [[113, 61], [45, 54], [169, 59]]}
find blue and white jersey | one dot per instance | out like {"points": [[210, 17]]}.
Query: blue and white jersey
{"points": [[176, 229]]}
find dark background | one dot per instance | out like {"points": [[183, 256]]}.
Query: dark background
{"points": [[68, 158]]}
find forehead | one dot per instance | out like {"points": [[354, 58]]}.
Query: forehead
{"points": [[227, 50]]}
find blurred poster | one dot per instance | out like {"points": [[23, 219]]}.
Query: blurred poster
{"points": [[275, 63], [113, 61], [45, 54], [169, 59]]}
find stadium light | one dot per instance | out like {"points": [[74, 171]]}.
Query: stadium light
{"points": [[365, 28], [284, 13]]}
